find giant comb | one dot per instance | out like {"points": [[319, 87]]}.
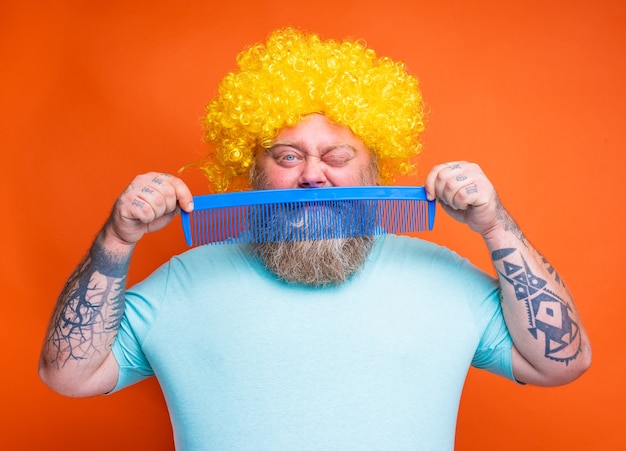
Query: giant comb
{"points": [[307, 214]]}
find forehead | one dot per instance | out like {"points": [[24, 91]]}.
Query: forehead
{"points": [[317, 128]]}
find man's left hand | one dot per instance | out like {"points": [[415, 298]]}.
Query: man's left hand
{"points": [[465, 193]]}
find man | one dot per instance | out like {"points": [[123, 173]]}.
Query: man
{"points": [[352, 343]]}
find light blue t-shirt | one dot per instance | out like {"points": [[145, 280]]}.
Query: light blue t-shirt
{"points": [[247, 362]]}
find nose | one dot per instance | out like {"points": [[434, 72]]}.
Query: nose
{"points": [[313, 175]]}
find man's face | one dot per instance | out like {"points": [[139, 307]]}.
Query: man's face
{"points": [[313, 154]]}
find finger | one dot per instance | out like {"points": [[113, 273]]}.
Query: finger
{"points": [[466, 195], [140, 210], [471, 187], [430, 184], [165, 193], [145, 198], [183, 194], [159, 193], [444, 179]]}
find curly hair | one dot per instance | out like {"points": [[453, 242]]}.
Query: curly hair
{"points": [[295, 74]]}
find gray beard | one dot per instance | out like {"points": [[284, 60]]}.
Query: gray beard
{"points": [[315, 263]]}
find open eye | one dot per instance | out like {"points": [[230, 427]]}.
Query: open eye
{"points": [[286, 156]]}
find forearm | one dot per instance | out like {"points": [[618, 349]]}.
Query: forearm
{"points": [[87, 316], [539, 310], [76, 357]]}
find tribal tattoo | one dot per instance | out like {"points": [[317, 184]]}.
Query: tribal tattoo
{"points": [[548, 314], [90, 309]]}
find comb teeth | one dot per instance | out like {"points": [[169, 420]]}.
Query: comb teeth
{"points": [[307, 214]]}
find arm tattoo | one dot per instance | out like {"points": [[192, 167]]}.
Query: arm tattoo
{"points": [[553, 272], [90, 308], [548, 314], [509, 224]]}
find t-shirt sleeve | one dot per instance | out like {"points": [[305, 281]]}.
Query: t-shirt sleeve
{"points": [[493, 352], [453, 275], [494, 349], [142, 303]]}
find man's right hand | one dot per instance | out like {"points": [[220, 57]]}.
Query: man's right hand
{"points": [[76, 357], [147, 205]]}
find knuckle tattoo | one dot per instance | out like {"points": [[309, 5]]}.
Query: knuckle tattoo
{"points": [[472, 189]]}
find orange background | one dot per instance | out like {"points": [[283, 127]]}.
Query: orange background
{"points": [[95, 92]]}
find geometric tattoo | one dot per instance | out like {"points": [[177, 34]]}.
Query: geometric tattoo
{"points": [[548, 314]]}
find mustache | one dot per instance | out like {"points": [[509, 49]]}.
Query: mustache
{"points": [[312, 221]]}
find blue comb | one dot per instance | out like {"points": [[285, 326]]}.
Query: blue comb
{"points": [[307, 214]]}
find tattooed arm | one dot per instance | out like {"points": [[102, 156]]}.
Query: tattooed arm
{"points": [[76, 358], [550, 346]]}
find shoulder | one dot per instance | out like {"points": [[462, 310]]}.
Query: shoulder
{"points": [[413, 248], [210, 257], [428, 262]]}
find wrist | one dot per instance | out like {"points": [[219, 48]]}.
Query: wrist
{"points": [[504, 233], [111, 238], [110, 254]]}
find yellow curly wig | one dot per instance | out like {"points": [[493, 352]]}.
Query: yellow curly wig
{"points": [[295, 74]]}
